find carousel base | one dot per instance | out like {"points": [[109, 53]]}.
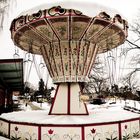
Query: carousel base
{"points": [[113, 123]]}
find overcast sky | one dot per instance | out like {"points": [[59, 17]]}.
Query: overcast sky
{"points": [[128, 8]]}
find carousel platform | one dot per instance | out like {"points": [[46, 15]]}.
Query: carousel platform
{"points": [[103, 122]]}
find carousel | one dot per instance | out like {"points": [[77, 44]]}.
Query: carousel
{"points": [[69, 41]]}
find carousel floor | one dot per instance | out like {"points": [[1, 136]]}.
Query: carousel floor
{"points": [[103, 122], [97, 114]]}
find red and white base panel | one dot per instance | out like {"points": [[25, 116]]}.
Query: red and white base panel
{"points": [[70, 127]]}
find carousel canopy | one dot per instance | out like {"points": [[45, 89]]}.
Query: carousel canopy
{"points": [[68, 39], [37, 26], [11, 74]]}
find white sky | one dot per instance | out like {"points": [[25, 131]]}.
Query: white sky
{"points": [[128, 8]]}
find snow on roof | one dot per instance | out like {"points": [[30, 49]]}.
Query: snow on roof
{"points": [[92, 9]]}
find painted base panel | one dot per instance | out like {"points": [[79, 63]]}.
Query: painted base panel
{"points": [[67, 100], [100, 124]]}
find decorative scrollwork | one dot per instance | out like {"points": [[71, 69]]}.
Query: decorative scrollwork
{"points": [[21, 20], [104, 15], [30, 136], [50, 135], [57, 10], [71, 137], [17, 23], [126, 135], [93, 134], [136, 132], [35, 16], [77, 12], [112, 135], [16, 134]]}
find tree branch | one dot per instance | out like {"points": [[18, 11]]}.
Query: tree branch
{"points": [[138, 47]]}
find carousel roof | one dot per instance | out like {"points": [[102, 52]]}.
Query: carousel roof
{"points": [[37, 27], [32, 30], [11, 73], [69, 39]]}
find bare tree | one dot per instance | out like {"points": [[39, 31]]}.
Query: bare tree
{"points": [[130, 79], [4, 10], [133, 46], [98, 82], [96, 85]]}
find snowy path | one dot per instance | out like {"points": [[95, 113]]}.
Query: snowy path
{"points": [[34, 107]]}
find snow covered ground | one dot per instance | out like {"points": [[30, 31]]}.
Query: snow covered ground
{"points": [[3, 138], [97, 114], [44, 106], [25, 108], [109, 103]]}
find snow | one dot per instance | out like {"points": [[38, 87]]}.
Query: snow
{"points": [[3, 138], [25, 108], [97, 114], [44, 105], [92, 10], [131, 103]]}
